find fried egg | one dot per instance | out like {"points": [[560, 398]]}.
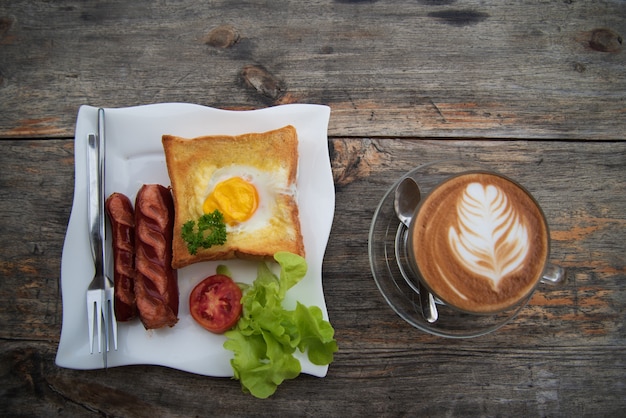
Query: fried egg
{"points": [[245, 195]]}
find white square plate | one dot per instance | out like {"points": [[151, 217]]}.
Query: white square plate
{"points": [[134, 156]]}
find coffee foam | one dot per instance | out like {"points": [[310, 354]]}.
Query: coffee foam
{"points": [[480, 242], [489, 238]]}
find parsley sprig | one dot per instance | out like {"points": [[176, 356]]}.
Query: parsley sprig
{"points": [[211, 231]]}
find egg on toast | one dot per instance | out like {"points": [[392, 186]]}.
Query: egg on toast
{"points": [[250, 179]]}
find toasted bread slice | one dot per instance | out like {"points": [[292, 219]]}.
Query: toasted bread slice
{"points": [[268, 160]]}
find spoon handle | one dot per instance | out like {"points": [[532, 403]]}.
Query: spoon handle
{"points": [[429, 310], [406, 199]]}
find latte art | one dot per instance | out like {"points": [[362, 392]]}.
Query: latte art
{"points": [[489, 239], [479, 242]]}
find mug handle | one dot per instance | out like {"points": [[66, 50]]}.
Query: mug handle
{"points": [[553, 275]]}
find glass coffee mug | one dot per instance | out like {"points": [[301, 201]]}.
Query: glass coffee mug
{"points": [[477, 242]]}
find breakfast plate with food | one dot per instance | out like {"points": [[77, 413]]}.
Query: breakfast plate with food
{"points": [[202, 154]]}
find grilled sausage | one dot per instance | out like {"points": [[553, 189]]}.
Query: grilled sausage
{"points": [[156, 283], [122, 218]]}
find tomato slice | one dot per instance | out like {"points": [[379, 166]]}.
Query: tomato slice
{"points": [[215, 303]]}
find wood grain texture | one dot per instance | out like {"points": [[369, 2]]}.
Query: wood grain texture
{"points": [[534, 89], [563, 355], [406, 68]]}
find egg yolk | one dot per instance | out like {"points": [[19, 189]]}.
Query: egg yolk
{"points": [[235, 198]]}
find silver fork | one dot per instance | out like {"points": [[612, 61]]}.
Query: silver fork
{"points": [[100, 312]]}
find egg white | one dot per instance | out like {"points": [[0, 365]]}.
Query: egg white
{"points": [[268, 186]]}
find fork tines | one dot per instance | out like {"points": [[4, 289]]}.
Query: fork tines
{"points": [[100, 309]]}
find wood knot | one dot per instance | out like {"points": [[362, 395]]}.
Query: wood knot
{"points": [[223, 36], [263, 82], [579, 68], [605, 40], [5, 25], [352, 159]]}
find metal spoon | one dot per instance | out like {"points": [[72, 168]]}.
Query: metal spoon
{"points": [[406, 199]]}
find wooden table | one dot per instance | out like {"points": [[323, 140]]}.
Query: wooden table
{"points": [[534, 89]]}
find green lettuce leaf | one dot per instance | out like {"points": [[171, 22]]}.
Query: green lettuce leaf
{"points": [[316, 334], [267, 335]]}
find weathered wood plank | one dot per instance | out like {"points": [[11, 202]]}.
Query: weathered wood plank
{"points": [[36, 190], [419, 379], [388, 69], [562, 356]]}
